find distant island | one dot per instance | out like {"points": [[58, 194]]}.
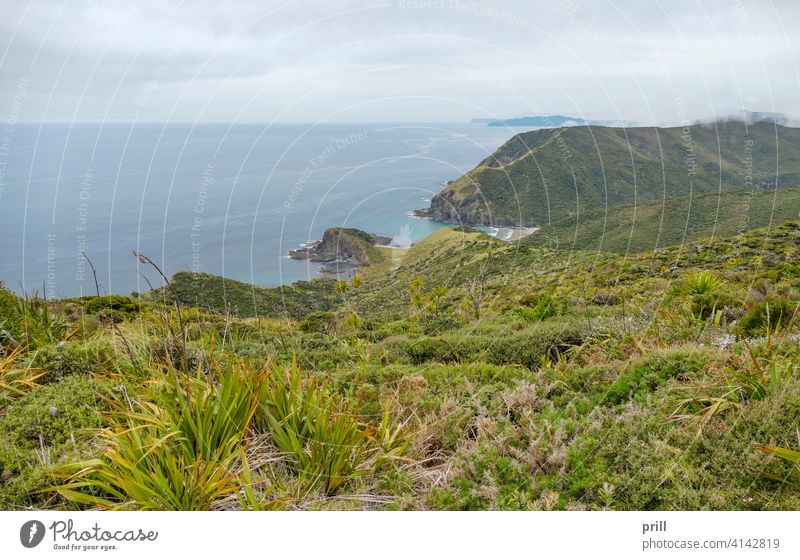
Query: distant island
{"points": [[557, 121], [550, 121]]}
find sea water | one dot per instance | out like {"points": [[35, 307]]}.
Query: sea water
{"points": [[228, 200]]}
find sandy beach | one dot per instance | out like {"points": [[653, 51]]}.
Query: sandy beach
{"points": [[515, 234]]}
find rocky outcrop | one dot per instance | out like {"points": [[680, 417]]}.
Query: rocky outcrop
{"points": [[440, 209], [344, 245], [445, 208]]}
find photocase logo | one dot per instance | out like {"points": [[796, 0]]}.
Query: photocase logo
{"points": [[31, 533]]}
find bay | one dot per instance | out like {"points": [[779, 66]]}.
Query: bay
{"points": [[228, 200]]}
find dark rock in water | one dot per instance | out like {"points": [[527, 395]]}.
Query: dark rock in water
{"points": [[440, 210], [304, 253]]}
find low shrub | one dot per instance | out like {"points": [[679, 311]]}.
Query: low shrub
{"points": [[704, 304], [65, 360], [536, 307], [633, 460], [123, 306], [640, 378], [319, 322], [53, 414], [531, 346], [773, 313], [527, 347], [439, 324], [9, 316]]}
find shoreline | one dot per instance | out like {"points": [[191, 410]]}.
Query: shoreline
{"points": [[504, 233], [516, 233]]}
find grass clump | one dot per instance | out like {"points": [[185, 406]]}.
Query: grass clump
{"points": [[176, 450], [186, 445], [326, 443], [16, 379]]}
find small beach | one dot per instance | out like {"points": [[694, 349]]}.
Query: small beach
{"points": [[515, 234]]}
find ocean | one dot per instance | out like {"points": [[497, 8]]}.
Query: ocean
{"points": [[227, 200]]}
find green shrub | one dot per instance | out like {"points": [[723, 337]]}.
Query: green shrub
{"points": [[524, 313], [536, 307], [9, 315], [592, 378], [774, 313], [65, 360], [704, 304], [432, 349], [123, 306], [640, 462], [439, 324], [527, 347], [53, 414], [545, 340], [319, 322], [314, 348], [638, 379]]}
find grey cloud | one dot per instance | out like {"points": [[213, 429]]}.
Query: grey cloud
{"points": [[306, 61]]}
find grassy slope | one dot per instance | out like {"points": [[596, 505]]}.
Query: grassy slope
{"points": [[451, 259], [546, 176], [653, 224], [246, 300], [575, 410]]}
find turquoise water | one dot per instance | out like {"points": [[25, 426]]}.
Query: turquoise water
{"points": [[211, 198]]}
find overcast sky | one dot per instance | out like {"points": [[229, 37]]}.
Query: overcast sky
{"points": [[649, 61]]}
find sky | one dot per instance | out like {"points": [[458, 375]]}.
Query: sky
{"points": [[246, 61]]}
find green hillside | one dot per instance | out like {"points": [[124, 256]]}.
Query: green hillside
{"points": [[547, 176], [655, 223], [472, 374], [246, 300], [454, 260]]}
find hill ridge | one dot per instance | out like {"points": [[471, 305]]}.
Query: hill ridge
{"points": [[528, 180]]}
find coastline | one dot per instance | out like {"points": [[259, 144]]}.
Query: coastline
{"points": [[505, 233], [512, 234]]}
